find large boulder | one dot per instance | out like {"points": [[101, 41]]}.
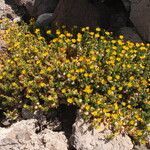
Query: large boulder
{"points": [[85, 139], [38, 7], [81, 13], [140, 16], [25, 135]]}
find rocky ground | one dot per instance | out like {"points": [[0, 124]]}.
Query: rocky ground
{"points": [[30, 134]]}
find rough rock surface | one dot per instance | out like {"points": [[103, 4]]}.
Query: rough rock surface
{"points": [[23, 135], [84, 139], [38, 7], [140, 16], [81, 13], [6, 10], [130, 34]]}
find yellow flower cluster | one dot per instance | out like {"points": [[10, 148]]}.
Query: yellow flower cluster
{"points": [[107, 78]]}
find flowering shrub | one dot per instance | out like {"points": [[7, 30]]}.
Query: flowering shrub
{"points": [[106, 78]]}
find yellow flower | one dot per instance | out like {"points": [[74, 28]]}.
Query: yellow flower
{"points": [[70, 100], [14, 84], [120, 95], [42, 84], [113, 88], [129, 84], [58, 32], [23, 71], [131, 78], [107, 33], [1, 77], [121, 37], [81, 70], [79, 39], [98, 29], [63, 91], [92, 33], [73, 40], [123, 104], [110, 92], [94, 113], [103, 81], [79, 35], [86, 74], [129, 106], [62, 35], [120, 42], [128, 66], [139, 133], [73, 78], [68, 34], [97, 35], [109, 78], [48, 32], [40, 38], [68, 75], [107, 114], [83, 29], [99, 102], [125, 48], [37, 31], [87, 107], [42, 72], [113, 41], [116, 106], [88, 89], [115, 116], [117, 77], [87, 28]]}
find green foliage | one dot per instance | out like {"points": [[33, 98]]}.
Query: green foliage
{"points": [[106, 79]]}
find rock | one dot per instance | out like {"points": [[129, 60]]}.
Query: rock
{"points": [[141, 147], [81, 13], [140, 16], [26, 114], [23, 135], [117, 21], [84, 139], [44, 21], [37, 7], [17, 19], [130, 34], [6, 11], [54, 140], [127, 5]]}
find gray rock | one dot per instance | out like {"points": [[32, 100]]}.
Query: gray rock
{"points": [[54, 140], [37, 7], [22, 136], [130, 34], [141, 147], [6, 11], [127, 4], [140, 16], [26, 114], [84, 139], [44, 20]]}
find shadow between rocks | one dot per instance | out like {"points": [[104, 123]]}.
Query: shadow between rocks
{"points": [[67, 116]]}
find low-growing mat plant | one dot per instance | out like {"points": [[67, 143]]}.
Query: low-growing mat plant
{"points": [[106, 78]]}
